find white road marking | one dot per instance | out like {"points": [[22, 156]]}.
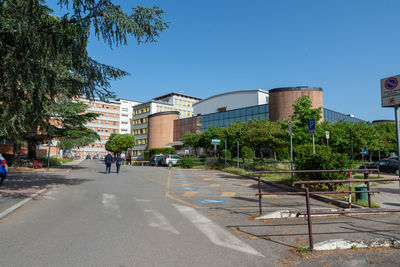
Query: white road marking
{"points": [[159, 221], [141, 200], [110, 203], [215, 233]]}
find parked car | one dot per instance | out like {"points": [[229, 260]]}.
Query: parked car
{"points": [[156, 160], [95, 157], [170, 160], [389, 165], [3, 169]]}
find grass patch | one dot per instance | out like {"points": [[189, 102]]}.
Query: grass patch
{"points": [[53, 161], [303, 249]]}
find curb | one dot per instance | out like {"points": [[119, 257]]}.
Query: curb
{"points": [[335, 244], [325, 199], [21, 203]]}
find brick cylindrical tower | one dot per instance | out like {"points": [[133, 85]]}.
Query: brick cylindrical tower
{"points": [[282, 99], [161, 128]]}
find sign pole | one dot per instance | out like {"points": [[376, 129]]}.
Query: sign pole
{"points": [[396, 114], [313, 144]]}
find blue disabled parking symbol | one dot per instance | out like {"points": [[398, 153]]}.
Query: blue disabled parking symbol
{"points": [[212, 201], [184, 182], [188, 188]]}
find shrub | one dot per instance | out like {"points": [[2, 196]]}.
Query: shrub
{"points": [[247, 152], [203, 156], [228, 154], [186, 163], [323, 159], [282, 153]]}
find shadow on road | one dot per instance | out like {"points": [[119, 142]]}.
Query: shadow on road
{"points": [[21, 185]]}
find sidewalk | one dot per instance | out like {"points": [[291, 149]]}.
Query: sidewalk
{"points": [[22, 185]]}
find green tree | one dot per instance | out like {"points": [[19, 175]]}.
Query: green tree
{"points": [[192, 140], [120, 142], [302, 112], [44, 57]]}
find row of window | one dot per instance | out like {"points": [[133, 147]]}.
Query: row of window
{"points": [[182, 112], [141, 141], [142, 110], [107, 122], [140, 121], [140, 131], [105, 114], [183, 103], [97, 105], [137, 153]]}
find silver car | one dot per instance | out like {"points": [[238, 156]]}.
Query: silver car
{"points": [[170, 160]]}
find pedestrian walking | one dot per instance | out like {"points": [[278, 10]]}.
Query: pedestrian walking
{"points": [[118, 161], [108, 160]]}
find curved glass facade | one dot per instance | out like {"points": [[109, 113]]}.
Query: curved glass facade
{"points": [[334, 116], [223, 119]]}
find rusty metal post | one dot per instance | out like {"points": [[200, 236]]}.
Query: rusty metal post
{"points": [[310, 234], [366, 174], [259, 192], [350, 190]]}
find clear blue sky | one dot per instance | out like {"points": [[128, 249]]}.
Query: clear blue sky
{"points": [[215, 46]]}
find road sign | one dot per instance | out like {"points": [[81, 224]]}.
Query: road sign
{"points": [[212, 201], [327, 134], [290, 128], [364, 151], [390, 91], [311, 126], [215, 141], [67, 151]]}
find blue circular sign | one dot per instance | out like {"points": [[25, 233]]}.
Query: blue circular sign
{"points": [[391, 83]]}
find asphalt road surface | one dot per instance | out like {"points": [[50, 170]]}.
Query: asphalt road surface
{"points": [[122, 219]]}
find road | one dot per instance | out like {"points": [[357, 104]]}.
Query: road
{"points": [[117, 220]]}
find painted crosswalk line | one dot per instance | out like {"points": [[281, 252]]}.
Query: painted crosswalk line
{"points": [[110, 204], [157, 220], [214, 232]]}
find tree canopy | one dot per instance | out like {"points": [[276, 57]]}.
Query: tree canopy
{"points": [[44, 57]]}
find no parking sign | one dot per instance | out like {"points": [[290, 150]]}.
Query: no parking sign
{"points": [[390, 91]]}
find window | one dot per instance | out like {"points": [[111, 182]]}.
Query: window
{"points": [[147, 109], [124, 115], [125, 109], [123, 122], [162, 110]]}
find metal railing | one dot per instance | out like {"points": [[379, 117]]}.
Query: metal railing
{"points": [[307, 193]]}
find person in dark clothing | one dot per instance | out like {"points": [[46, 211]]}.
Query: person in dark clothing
{"points": [[118, 161], [108, 160]]}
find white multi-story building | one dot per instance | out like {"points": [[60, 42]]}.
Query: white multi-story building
{"points": [[169, 102], [126, 115]]}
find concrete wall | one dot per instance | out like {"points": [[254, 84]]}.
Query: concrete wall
{"points": [[281, 100], [161, 128], [231, 100]]}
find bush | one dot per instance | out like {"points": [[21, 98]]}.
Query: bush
{"points": [[323, 159], [282, 153], [228, 154], [53, 161], [203, 156], [247, 152], [186, 163]]}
